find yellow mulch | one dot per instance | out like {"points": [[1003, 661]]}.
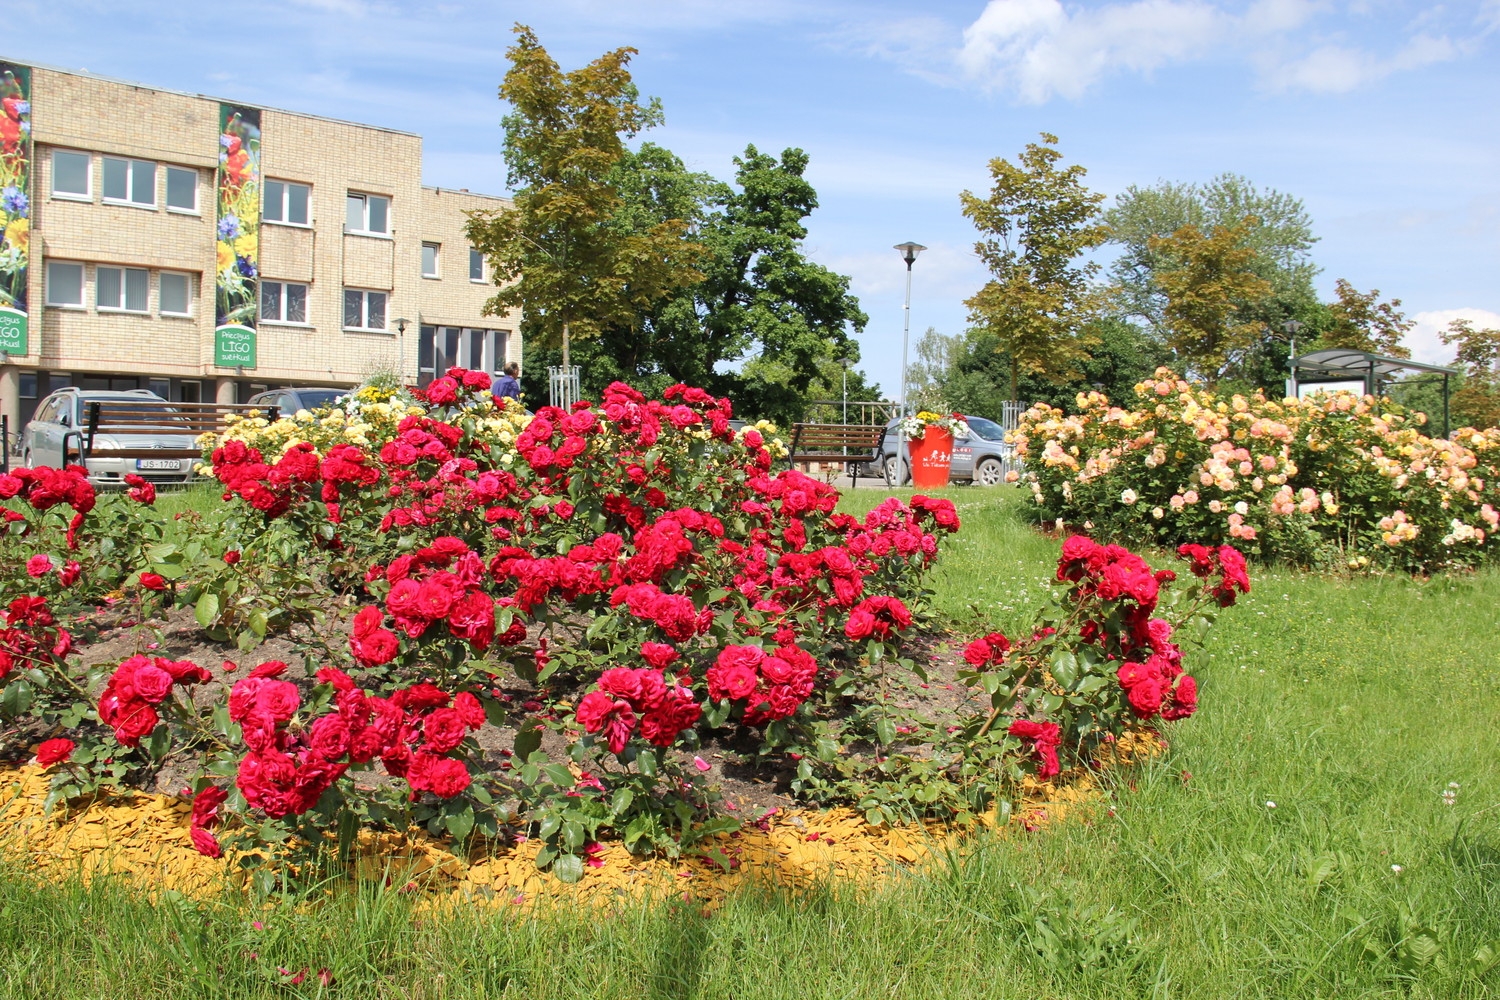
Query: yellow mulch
{"points": [[144, 838]]}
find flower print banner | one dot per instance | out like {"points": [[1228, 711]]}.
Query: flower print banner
{"points": [[237, 269], [15, 205]]}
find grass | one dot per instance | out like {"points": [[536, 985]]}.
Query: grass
{"points": [[1350, 704]]}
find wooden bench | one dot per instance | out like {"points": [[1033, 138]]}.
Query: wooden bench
{"points": [[129, 418], [852, 444]]}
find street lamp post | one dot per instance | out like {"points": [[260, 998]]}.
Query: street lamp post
{"points": [[909, 253], [1291, 326], [401, 351], [845, 362]]}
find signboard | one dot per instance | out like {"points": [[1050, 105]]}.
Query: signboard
{"points": [[15, 205], [237, 231], [234, 347]]}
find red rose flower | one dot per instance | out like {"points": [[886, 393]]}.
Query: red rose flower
{"points": [[153, 581], [54, 751]]}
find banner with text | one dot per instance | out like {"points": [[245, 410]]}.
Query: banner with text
{"points": [[237, 272], [15, 205]]}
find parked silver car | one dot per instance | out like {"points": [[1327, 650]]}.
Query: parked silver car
{"points": [[980, 458], [61, 420]]}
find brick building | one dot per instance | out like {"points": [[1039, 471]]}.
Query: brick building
{"points": [[209, 250]]}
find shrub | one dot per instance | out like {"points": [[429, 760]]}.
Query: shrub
{"points": [[635, 571], [1336, 480]]}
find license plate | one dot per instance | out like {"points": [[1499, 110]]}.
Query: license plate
{"points": [[158, 463]]}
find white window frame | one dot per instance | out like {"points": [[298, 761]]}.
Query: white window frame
{"points": [[437, 261], [365, 229], [122, 308], [168, 169], [188, 282], [277, 321], [472, 254], [88, 176], [130, 183], [286, 202], [364, 313], [83, 286]]}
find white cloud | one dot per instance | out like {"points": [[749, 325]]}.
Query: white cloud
{"points": [[1424, 340], [1040, 49], [1334, 69]]}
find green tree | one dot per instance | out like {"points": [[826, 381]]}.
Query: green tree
{"points": [[1206, 280], [1281, 236], [971, 374], [1477, 402], [1360, 321], [560, 255], [1038, 221], [764, 325]]}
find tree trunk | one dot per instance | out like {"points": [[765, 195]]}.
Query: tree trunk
{"points": [[1015, 375], [565, 347]]}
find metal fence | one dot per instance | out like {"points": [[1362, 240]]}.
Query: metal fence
{"points": [[865, 412], [562, 385]]}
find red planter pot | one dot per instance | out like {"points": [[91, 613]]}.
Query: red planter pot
{"points": [[931, 459]]}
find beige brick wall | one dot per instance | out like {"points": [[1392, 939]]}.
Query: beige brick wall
{"points": [[451, 299], [102, 117]]}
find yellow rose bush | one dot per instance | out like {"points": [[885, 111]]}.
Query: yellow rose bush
{"points": [[1338, 480]]}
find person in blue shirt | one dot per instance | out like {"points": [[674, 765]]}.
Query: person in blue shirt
{"points": [[507, 385]]}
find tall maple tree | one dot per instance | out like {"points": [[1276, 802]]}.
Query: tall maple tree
{"points": [[557, 255], [1037, 223]]}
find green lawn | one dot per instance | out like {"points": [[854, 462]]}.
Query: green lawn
{"points": [[1350, 704]]}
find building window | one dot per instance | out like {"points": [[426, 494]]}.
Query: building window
{"points": [[182, 189], [64, 284], [28, 385], [161, 386], [176, 294], [442, 347], [189, 392], [364, 310], [130, 182], [283, 302], [430, 259], [368, 213], [476, 265], [127, 289], [287, 203], [70, 175]]}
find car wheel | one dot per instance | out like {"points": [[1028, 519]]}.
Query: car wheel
{"points": [[989, 472], [893, 470]]}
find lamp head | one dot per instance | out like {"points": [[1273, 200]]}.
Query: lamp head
{"points": [[401, 322], [909, 251]]}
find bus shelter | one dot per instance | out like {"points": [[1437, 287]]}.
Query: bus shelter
{"points": [[1360, 371]]}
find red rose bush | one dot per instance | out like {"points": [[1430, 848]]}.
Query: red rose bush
{"points": [[508, 619]]}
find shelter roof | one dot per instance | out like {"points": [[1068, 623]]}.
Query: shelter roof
{"points": [[1338, 362]]}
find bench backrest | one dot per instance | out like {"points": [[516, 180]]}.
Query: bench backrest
{"points": [[123, 418], [821, 438]]}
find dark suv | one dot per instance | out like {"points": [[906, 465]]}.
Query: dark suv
{"points": [[289, 401]]}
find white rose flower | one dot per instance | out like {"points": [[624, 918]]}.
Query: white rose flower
{"points": [[1129, 497]]}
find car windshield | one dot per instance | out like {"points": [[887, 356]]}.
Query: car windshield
{"points": [[987, 429], [314, 398]]}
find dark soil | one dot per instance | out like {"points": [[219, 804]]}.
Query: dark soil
{"points": [[749, 788]]}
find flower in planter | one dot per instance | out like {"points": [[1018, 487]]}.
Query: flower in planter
{"points": [[915, 426]]}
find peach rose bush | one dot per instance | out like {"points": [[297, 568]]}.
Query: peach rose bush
{"points": [[513, 625], [1334, 481]]}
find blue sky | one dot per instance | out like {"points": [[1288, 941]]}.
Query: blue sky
{"points": [[1384, 117]]}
